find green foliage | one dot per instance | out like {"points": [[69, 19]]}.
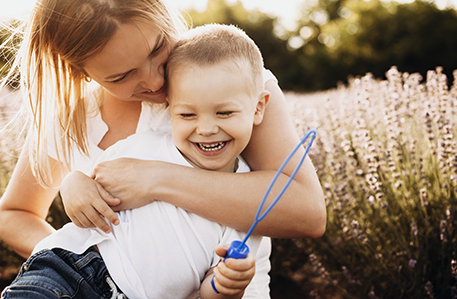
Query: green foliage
{"points": [[354, 37], [340, 38], [386, 155], [333, 39], [413, 38], [258, 26]]}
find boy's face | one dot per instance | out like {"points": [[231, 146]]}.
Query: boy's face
{"points": [[212, 116]]}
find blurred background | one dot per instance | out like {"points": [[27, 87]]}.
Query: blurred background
{"points": [[316, 44], [385, 152]]}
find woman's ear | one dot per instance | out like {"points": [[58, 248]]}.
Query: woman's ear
{"points": [[260, 107]]}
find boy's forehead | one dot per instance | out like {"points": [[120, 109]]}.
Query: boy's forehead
{"points": [[183, 77], [190, 69], [217, 84]]}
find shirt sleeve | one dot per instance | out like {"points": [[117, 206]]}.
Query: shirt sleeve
{"points": [[268, 75]]}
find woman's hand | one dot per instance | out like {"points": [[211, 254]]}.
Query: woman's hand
{"points": [[86, 203], [130, 180]]}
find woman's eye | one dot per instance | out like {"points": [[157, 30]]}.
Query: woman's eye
{"points": [[120, 79], [158, 48]]}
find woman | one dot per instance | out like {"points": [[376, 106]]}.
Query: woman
{"points": [[63, 36]]}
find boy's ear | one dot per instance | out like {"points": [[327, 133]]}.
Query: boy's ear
{"points": [[260, 107]]}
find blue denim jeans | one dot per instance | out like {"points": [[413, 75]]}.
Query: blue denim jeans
{"points": [[58, 273]]}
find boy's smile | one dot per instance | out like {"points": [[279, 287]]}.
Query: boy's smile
{"points": [[212, 115], [211, 147]]}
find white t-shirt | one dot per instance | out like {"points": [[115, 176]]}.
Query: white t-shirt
{"points": [[72, 238], [160, 250]]}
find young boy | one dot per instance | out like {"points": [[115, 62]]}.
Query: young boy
{"points": [[215, 95]]}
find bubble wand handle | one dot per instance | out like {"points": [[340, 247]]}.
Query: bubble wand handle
{"points": [[240, 250]]}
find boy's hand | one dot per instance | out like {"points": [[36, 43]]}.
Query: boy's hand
{"points": [[234, 275], [86, 203]]}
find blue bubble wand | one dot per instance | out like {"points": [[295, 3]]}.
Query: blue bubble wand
{"points": [[239, 249]]}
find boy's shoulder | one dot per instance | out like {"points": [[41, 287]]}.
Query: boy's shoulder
{"points": [[242, 166], [144, 138], [148, 144]]}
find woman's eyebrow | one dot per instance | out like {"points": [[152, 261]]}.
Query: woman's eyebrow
{"points": [[159, 39]]}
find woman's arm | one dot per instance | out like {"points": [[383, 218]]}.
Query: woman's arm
{"points": [[24, 207], [227, 198]]}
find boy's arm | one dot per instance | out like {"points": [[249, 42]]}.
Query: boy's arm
{"points": [[231, 277], [77, 189]]}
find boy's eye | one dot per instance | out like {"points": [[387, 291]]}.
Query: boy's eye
{"points": [[225, 113], [187, 115]]}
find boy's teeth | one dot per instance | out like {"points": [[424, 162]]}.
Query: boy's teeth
{"points": [[212, 146]]}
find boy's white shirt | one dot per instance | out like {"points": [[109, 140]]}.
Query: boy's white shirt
{"points": [[137, 251]]}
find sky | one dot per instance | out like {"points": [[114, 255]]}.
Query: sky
{"points": [[286, 10]]}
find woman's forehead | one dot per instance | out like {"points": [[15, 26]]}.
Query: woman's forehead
{"points": [[127, 49]]}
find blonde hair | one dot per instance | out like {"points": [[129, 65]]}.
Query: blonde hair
{"points": [[211, 44], [60, 36]]}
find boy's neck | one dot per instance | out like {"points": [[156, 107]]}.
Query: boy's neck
{"points": [[232, 169]]}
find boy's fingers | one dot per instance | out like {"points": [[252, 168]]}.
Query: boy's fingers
{"points": [[108, 198], [230, 273], [106, 211], [241, 264], [82, 221], [100, 222], [77, 223], [93, 218], [227, 286], [221, 250]]}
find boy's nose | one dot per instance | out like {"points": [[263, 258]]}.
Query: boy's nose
{"points": [[207, 128]]}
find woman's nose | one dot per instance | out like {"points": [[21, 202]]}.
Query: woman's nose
{"points": [[152, 77]]}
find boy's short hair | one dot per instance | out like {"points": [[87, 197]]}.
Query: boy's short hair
{"points": [[211, 44]]}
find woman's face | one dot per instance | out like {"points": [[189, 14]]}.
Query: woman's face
{"points": [[131, 65]]}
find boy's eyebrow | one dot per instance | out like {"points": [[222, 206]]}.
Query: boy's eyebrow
{"points": [[182, 105], [158, 41]]}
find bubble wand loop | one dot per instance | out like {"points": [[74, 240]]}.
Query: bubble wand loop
{"points": [[238, 249]]}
